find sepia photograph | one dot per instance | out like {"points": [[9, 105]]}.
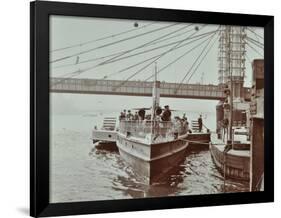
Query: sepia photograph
{"points": [[144, 109]]}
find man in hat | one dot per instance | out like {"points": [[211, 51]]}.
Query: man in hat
{"points": [[141, 113], [166, 115]]}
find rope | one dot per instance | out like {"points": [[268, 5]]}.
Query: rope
{"points": [[195, 142], [258, 185]]}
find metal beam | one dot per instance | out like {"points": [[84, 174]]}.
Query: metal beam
{"points": [[135, 88]]}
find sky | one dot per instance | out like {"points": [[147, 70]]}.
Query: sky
{"points": [[66, 31]]}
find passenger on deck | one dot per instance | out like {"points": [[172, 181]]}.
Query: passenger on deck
{"points": [[157, 127], [141, 114], [166, 118], [185, 125], [225, 127], [200, 123], [129, 115], [177, 127], [166, 115], [136, 117], [122, 116], [158, 111]]}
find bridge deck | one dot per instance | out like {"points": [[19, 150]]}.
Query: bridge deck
{"points": [[135, 88]]}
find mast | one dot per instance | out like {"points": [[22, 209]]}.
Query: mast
{"points": [[231, 88], [155, 93]]}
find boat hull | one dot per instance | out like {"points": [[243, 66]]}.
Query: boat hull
{"points": [[151, 162], [104, 135], [235, 164]]}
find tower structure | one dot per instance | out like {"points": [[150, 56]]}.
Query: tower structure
{"points": [[231, 58]]}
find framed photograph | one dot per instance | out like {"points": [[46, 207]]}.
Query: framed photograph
{"points": [[145, 108]]}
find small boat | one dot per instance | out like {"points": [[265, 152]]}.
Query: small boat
{"points": [[231, 150], [105, 138], [199, 137], [233, 160]]}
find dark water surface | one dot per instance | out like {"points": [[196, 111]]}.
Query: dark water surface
{"points": [[80, 172]]}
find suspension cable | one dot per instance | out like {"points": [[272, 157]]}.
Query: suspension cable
{"points": [[166, 45], [154, 57], [188, 72], [142, 52], [247, 43], [102, 38], [178, 58], [112, 43], [255, 42], [257, 35], [145, 44], [163, 54], [118, 53], [209, 49]]}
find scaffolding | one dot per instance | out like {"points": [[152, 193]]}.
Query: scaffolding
{"points": [[231, 57]]}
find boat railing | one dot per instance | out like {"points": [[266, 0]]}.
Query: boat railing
{"points": [[155, 129]]}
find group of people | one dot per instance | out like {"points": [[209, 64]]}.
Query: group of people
{"points": [[181, 125], [161, 115], [124, 115]]}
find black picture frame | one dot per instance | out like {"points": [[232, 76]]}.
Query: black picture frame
{"points": [[39, 108]]}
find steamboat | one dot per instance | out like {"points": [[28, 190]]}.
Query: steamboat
{"points": [[152, 146]]}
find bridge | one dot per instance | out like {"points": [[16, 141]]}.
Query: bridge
{"points": [[137, 88]]}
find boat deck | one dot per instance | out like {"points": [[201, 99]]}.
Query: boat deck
{"points": [[239, 153]]}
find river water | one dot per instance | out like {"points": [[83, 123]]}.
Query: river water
{"points": [[80, 172]]}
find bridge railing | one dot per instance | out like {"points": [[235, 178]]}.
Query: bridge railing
{"points": [[135, 88], [117, 83]]}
